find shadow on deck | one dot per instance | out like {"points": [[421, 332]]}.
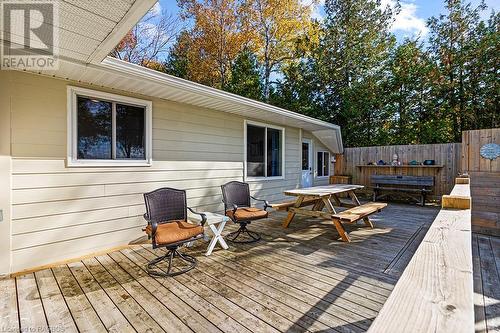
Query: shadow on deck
{"points": [[298, 279]]}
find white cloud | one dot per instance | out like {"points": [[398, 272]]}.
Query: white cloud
{"points": [[316, 8], [407, 20], [156, 9]]}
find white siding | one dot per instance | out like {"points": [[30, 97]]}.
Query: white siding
{"points": [[60, 213]]}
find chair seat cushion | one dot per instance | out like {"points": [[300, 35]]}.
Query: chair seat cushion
{"points": [[247, 214], [175, 231]]}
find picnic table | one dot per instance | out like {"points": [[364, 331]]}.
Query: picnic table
{"points": [[327, 196]]}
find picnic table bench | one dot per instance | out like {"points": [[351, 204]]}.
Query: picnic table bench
{"points": [[321, 197], [288, 204], [413, 187]]}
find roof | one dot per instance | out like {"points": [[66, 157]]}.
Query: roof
{"points": [[84, 44], [89, 30]]}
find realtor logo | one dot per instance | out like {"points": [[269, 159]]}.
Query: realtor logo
{"points": [[29, 35]]}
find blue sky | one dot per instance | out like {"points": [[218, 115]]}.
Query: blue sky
{"points": [[410, 22]]}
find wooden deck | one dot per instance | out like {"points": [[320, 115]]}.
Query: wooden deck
{"points": [[486, 268], [298, 279]]}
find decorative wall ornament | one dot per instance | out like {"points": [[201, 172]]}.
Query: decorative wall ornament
{"points": [[490, 151]]}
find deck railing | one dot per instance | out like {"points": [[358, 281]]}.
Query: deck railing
{"points": [[435, 291]]}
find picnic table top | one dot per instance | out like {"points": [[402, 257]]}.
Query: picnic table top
{"points": [[321, 191]]}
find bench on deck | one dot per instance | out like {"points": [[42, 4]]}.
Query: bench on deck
{"points": [[288, 204], [414, 187], [355, 214], [435, 293]]}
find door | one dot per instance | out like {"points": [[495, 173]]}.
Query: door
{"points": [[307, 158]]}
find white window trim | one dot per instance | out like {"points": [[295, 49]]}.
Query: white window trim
{"points": [[256, 179], [316, 163], [73, 161]]}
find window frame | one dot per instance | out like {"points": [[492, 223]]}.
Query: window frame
{"points": [[316, 162], [72, 128], [266, 126]]}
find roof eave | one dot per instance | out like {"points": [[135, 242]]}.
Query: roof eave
{"points": [[111, 63]]}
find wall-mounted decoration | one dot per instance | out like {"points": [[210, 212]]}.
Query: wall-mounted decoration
{"points": [[490, 151]]}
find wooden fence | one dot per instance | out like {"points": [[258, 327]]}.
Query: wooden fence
{"points": [[355, 162], [485, 180]]}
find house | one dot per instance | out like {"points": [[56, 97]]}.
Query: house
{"points": [[80, 144]]}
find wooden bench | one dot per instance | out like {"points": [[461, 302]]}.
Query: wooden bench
{"points": [[355, 214], [414, 187], [435, 293], [288, 204]]}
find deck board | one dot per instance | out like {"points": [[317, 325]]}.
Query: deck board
{"points": [[299, 279], [90, 305], [479, 313], [224, 322], [31, 311], [85, 316], [56, 310], [127, 305], [182, 310], [490, 283], [8, 306]]}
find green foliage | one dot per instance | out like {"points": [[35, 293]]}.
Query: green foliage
{"points": [[296, 91], [350, 71], [349, 64], [177, 62], [382, 93], [245, 76]]}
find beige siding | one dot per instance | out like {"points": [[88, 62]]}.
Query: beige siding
{"points": [[61, 212]]}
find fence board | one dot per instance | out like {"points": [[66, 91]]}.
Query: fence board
{"points": [[485, 180], [447, 155]]}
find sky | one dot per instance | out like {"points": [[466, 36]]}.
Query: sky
{"points": [[411, 21]]}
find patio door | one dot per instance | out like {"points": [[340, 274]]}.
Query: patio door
{"points": [[307, 167]]}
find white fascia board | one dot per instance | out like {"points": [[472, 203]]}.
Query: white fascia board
{"points": [[153, 75]]}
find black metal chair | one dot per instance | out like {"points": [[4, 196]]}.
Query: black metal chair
{"points": [[168, 226], [237, 206]]}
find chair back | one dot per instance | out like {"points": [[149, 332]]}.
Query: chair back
{"points": [[166, 204], [237, 193]]}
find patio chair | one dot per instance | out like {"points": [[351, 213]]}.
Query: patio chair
{"points": [[168, 227], [236, 197]]}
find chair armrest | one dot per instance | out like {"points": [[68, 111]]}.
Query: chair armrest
{"points": [[203, 216], [235, 208], [266, 203], [154, 226]]}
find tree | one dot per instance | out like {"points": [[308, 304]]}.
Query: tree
{"points": [[281, 31], [216, 39], [483, 85], [350, 64], [148, 42], [177, 62], [245, 76], [296, 91], [409, 113], [450, 44]]}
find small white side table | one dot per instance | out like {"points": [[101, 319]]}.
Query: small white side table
{"points": [[213, 220]]}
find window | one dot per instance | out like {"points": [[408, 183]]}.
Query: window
{"points": [[305, 156], [323, 164], [107, 129], [264, 151]]}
